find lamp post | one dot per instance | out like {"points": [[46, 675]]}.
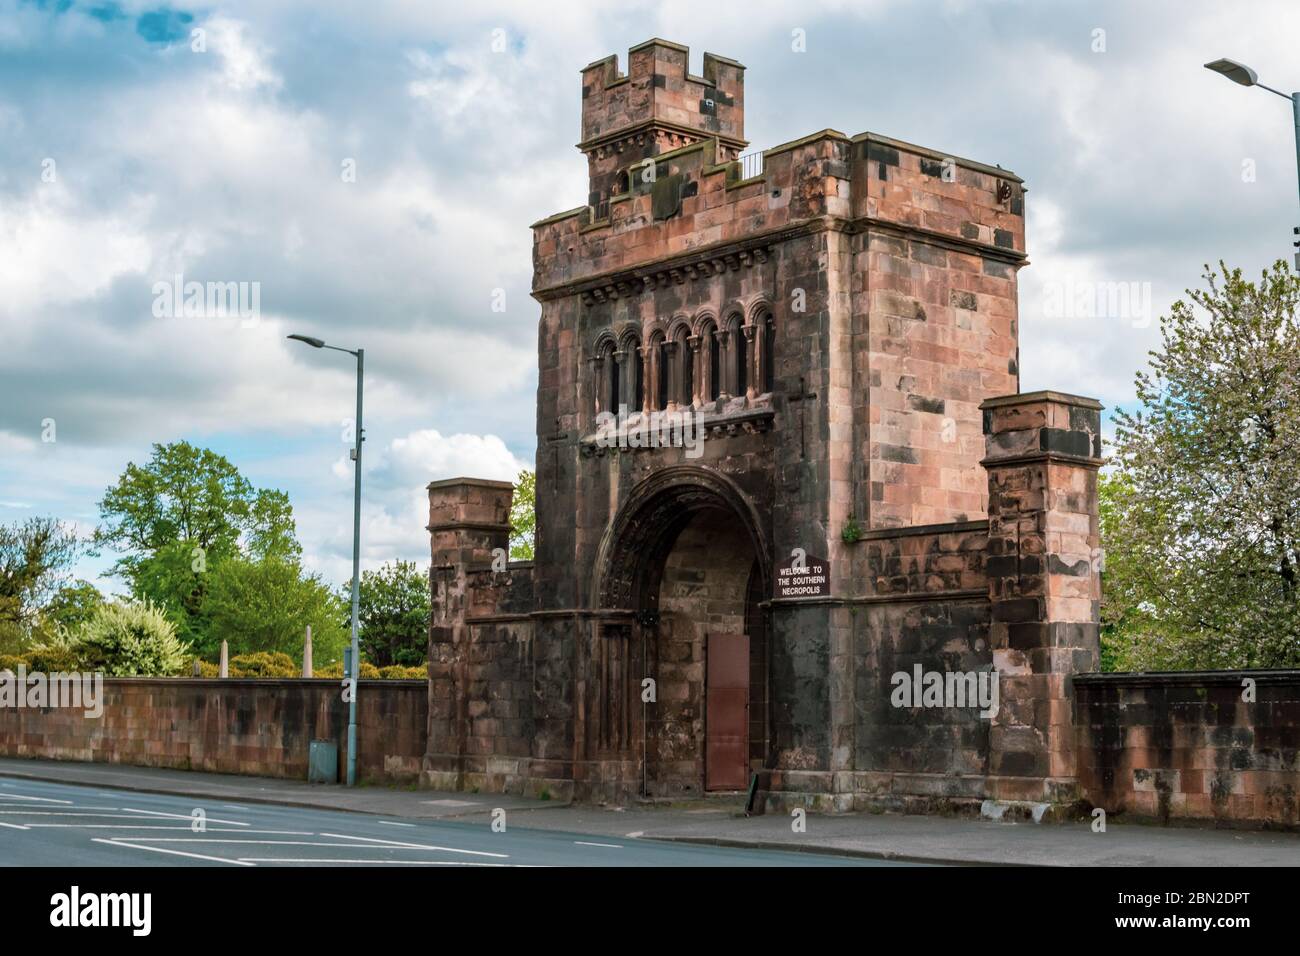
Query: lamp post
{"points": [[355, 671], [1240, 73]]}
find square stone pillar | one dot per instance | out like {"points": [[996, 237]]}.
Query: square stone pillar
{"points": [[468, 519], [1042, 452]]}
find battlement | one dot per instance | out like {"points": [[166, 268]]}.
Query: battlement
{"points": [[657, 106], [658, 90], [868, 180]]}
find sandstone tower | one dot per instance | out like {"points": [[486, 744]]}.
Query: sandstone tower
{"points": [[804, 355]]}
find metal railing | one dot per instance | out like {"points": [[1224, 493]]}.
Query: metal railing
{"points": [[751, 164]]}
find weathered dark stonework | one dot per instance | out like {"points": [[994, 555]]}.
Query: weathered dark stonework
{"points": [[1211, 746], [837, 313]]}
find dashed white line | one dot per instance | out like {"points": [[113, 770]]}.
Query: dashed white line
{"points": [[612, 846], [12, 826], [393, 823]]}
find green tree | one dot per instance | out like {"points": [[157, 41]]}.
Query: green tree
{"points": [[178, 517], [71, 606], [177, 579], [266, 605], [196, 496], [1125, 596], [1201, 519], [523, 516], [393, 614], [34, 557]]}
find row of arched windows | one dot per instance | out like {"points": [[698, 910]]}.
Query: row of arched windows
{"points": [[723, 361]]}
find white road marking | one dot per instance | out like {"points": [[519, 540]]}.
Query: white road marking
{"points": [[453, 803], [416, 846], [251, 860], [634, 834], [159, 849], [101, 826], [185, 816], [231, 806], [12, 826], [64, 813], [350, 846], [612, 846], [19, 796], [146, 826], [393, 823]]}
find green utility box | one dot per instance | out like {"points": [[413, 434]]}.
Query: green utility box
{"points": [[323, 762]]}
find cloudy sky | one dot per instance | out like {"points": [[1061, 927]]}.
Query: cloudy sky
{"points": [[375, 173]]}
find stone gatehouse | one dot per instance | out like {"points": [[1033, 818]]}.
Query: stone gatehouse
{"points": [[805, 356]]}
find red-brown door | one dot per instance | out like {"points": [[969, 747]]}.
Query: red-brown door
{"points": [[726, 715]]}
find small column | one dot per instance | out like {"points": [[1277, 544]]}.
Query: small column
{"points": [[224, 666], [749, 342], [698, 373], [306, 653], [624, 389], [726, 372], [1042, 450], [674, 376]]}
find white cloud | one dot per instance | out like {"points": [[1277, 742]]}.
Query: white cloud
{"points": [[395, 507], [244, 59], [225, 166]]}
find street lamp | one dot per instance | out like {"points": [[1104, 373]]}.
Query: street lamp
{"points": [[1240, 73], [355, 671]]}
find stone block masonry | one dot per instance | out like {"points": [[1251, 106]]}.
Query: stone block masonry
{"points": [[839, 317], [1211, 746], [247, 726]]}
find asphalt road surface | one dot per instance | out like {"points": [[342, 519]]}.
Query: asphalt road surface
{"points": [[54, 824]]}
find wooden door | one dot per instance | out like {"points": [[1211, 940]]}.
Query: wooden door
{"points": [[726, 715]]}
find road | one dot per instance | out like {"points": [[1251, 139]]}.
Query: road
{"points": [[55, 824]]}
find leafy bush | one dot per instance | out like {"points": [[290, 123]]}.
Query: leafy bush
{"points": [[368, 671], [53, 657], [14, 637], [263, 664], [10, 662], [125, 640], [398, 672]]}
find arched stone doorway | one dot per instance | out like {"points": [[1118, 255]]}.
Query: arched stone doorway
{"points": [[683, 573]]}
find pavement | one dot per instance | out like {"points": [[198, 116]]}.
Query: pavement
{"points": [[705, 825]]}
